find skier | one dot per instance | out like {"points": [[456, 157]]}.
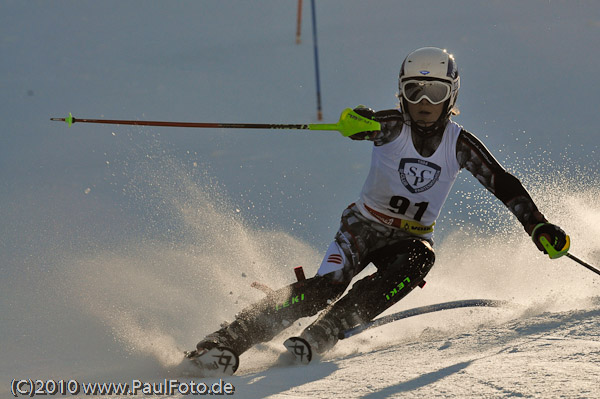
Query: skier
{"points": [[416, 157]]}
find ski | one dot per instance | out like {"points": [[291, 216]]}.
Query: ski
{"points": [[302, 352], [299, 348], [465, 303], [216, 361]]}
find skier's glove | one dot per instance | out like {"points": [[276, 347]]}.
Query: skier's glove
{"points": [[551, 240], [369, 114]]}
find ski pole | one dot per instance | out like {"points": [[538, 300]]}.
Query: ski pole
{"points": [[350, 123], [584, 264], [553, 254]]}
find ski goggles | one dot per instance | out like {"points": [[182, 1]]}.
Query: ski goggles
{"points": [[434, 91]]}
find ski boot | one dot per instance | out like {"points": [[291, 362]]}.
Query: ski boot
{"points": [[213, 358], [323, 333]]}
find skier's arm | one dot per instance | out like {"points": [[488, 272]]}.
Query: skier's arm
{"points": [[391, 125], [475, 157]]}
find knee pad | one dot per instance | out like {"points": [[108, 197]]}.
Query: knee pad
{"points": [[401, 267], [412, 257]]}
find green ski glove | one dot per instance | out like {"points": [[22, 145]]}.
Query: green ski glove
{"points": [[367, 113], [551, 240], [352, 122]]}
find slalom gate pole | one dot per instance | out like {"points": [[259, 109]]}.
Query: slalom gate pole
{"points": [[316, 48], [584, 264], [299, 23], [349, 123]]}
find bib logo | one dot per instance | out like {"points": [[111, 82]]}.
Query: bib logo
{"points": [[418, 175]]}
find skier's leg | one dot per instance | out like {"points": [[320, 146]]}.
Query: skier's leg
{"points": [[344, 259], [401, 267], [266, 318], [263, 320]]}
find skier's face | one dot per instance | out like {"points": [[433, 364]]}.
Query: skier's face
{"points": [[424, 113]]}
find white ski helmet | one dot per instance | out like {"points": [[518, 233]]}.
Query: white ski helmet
{"points": [[420, 71]]}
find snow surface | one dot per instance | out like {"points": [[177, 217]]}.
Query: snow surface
{"points": [[122, 246]]}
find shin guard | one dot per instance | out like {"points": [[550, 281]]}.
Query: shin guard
{"points": [[266, 318]]}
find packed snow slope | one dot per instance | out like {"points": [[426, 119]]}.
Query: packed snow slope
{"points": [[122, 246]]}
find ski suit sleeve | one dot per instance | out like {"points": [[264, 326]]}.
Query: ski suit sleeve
{"points": [[475, 157], [391, 125]]}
